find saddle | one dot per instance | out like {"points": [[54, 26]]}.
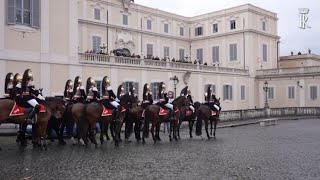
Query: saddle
{"points": [[188, 112], [109, 111], [163, 111], [19, 110]]}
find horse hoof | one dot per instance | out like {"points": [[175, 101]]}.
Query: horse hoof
{"points": [[108, 139], [82, 142], [62, 142]]}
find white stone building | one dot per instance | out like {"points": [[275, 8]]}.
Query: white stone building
{"points": [[51, 37]]}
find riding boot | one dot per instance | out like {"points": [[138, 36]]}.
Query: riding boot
{"points": [[118, 111], [30, 118]]}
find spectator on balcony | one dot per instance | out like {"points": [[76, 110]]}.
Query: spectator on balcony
{"points": [[157, 58], [91, 52], [299, 53], [87, 51], [309, 50], [205, 64], [291, 53], [195, 61], [138, 56]]}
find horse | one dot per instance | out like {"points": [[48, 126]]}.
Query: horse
{"points": [[204, 112], [77, 112], [134, 115], [10, 113], [186, 115], [93, 114], [57, 124], [153, 115]]}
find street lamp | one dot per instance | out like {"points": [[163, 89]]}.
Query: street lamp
{"points": [[266, 88], [175, 82], [103, 47]]}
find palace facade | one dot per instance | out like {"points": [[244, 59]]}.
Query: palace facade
{"points": [[61, 39]]}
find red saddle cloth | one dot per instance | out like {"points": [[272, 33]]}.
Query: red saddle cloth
{"points": [[108, 112], [213, 113], [19, 111], [188, 112], [162, 111]]}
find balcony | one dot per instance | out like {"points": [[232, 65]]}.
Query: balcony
{"points": [[98, 59], [300, 71]]}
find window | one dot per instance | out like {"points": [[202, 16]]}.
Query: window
{"points": [[291, 92], [243, 92], [96, 42], [126, 86], [233, 52], [96, 14], [125, 19], [98, 85], [212, 86], [232, 24], [263, 25], [149, 50], [215, 54], [166, 28], [215, 28], [227, 92], [200, 55], [166, 52], [149, 25], [313, 92], [25, 12], [181, 54], [264, 53], [154, 87], [198, 31], [270, 93], [181, 31]]}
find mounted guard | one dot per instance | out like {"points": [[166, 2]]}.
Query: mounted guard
{"points": [[147, 96], [211, 100], [187, 93], [26, 90], [120, 92], [108, 96], [164, 100], [68, 91], [78, 89], [92, 91], [8, 86]]}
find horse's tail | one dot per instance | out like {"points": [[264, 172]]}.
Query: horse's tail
{"points": [[82, 120], [146, 123], [198, 123], [196, 105]]}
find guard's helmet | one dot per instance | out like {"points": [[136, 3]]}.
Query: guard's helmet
{"points": [[77, 83], [146, 89], [105, 82], [69, 85], [120, 90], [17, 79], [184, 91], [90, 82], [27, 76], [9, 79]]}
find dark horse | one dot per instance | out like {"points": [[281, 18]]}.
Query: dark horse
{"points": [[40, 131], [186, 117], [152, 116], [93, 112], [204, 112], [58, 124]]}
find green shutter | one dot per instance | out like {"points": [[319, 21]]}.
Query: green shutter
{"points": [[11, 14], [35, 16]]}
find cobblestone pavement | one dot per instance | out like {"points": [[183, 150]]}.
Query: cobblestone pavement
{"points": [[289, 150]]}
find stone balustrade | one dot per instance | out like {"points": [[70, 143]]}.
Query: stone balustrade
{"points": [[98, 59], [270, 113], [288, 71]]}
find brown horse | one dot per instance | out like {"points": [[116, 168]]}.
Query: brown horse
{"points": [[78, 118], [152, 116], [93, 114], [186, 117], [204, 112], [40, 131], [134, 116]]}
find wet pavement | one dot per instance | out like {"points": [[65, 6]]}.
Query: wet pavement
{"points": [[289, 150]]}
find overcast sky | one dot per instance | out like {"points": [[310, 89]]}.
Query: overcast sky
{"points": [[292, 37]]}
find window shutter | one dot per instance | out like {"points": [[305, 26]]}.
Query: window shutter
{"points": [[224, 92], [230, 93], [136, 86], [235, 52], [11, 16], [35, 17]]}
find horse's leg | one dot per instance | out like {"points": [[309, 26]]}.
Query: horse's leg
{"points": [[180, 122], [106, 130], [215, 127], [61, 130], [211, 126], [92, 134], [190, 128], [101, 131], [152, 133], [206, 126], [112, 127], [23, 134], [170, 130], [158, 131]]}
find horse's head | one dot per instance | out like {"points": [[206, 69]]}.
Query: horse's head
{"points": [[127, 100], [57, 106], [181, 101]]}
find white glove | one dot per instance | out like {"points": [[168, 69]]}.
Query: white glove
{"points": [[117, 100], [41, 97], [82, 88]]}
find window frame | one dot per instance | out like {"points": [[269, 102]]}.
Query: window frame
{"points": [[98, 38], [200, 55], [166, 51], [149, 24], [166, 28], [264, 53], [243, 92], [316, 92], [216, 54], [125, 19], [229, 94], [154, 87], [181, 51], [97, 11], [233, 25], [149, 46], [181, 31], [215, 28], [22, 9], [199, 31], [233, 52], [293, 93], [269, 93]]}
